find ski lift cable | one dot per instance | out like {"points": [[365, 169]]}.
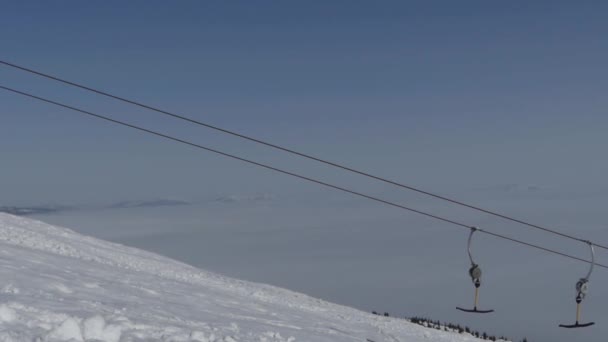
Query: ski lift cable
{"points": [[289, 173], [304, 155]]}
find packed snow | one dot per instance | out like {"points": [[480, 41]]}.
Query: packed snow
{"points": [[57, 285]]}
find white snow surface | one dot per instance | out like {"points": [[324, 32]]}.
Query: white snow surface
{"points": [[57, 285]]}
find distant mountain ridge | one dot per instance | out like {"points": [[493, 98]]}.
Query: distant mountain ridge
{"points": [[149, 203], [132, 204], [33, 210], [515, 188], [244, 198]]}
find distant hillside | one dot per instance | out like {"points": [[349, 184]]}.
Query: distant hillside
{"points": [[148, 204], [24, 211]]}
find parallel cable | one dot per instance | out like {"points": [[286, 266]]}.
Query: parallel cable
{"points": [[289, 173], [304, 155]]}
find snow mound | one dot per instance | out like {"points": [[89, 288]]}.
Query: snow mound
{"points": [[57, 285]]}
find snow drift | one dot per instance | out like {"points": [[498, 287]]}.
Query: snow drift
{"points": [[57, 285]]}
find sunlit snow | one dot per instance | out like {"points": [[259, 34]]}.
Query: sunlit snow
{"points": [[57, 285]]}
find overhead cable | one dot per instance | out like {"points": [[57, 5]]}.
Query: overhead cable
{"points": [[304, 155], [289, 173]]}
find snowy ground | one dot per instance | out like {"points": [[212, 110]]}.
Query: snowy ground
{"points": [[57, 285]]}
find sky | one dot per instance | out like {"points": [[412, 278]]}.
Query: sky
{"points": [[494, 93], [462, 98]]}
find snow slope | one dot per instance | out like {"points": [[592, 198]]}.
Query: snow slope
{"points": [[57, 285]]}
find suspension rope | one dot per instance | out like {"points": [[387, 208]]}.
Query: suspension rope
{"points": [[289, 173], [304, 155]]}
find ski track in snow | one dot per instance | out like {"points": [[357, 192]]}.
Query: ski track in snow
{"points": [[57, 285]]}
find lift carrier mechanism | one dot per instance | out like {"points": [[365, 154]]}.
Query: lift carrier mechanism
{"points": [[475, 274], [582, 288]]}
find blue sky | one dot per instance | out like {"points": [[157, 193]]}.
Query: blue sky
{"points": [[461, 98], [438, 94]]}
